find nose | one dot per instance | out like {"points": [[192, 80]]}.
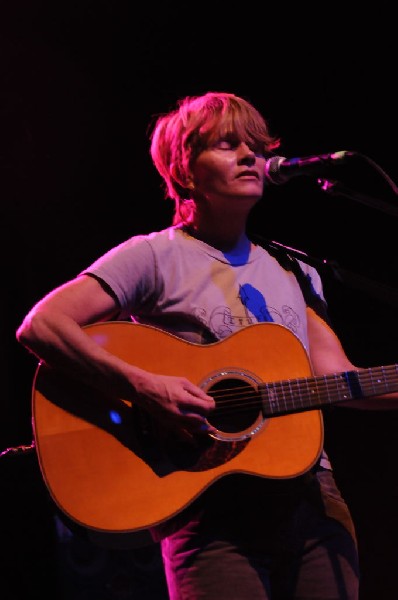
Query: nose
{"points": [[247, 156]]}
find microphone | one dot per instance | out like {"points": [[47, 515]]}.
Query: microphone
{"points": [[279, 169]]}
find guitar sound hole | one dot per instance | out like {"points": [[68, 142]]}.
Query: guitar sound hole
{"points": [[237, 405]]}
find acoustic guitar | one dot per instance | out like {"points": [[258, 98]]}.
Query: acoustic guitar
{"points": [[110, 469]]}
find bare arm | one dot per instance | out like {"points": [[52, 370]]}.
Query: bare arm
{"points": [[328, 356], [53, 331]]}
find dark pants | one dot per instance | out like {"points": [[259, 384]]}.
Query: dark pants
{"points": [[285, 542]]}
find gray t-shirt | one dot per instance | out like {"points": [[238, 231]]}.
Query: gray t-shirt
{"points": [[175, 282]]}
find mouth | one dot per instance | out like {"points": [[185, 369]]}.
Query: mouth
{"points": [[249, 174]]}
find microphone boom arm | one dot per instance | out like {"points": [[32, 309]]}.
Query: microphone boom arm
{"points": [[335, 188]]}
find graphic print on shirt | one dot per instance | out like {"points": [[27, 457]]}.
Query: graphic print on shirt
{"points": [[255, 302], [252, 299], [223, 321]]}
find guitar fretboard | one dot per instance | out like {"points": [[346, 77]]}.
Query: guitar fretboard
{"points": [[306, 393]]}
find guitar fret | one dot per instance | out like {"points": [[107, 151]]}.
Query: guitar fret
{"points": [[384, 379], [282, 388], [312, 388], [332, 388], [325, 379], [291, 395], [379, 381], [345, 390], [342, 390], [336, 386], [301, 399], [270, 398], [373, 382], [300, 395]]}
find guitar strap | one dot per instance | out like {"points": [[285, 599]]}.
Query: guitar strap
{"points": [[288, 259]]}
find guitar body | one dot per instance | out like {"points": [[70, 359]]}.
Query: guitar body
{"points": [[106, 466]]}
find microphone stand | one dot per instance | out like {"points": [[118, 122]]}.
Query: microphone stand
{"points": [[384, 293], [335, 188], [380, 291]]}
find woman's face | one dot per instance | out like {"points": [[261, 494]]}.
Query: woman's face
{"points": [[229, 168]]}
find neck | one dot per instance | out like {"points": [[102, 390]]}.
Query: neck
{"points": [[219, 238], [221, 223]]}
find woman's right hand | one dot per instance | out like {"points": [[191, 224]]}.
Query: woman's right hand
{"points": [[175, 402]]}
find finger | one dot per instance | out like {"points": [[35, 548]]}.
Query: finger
{"points": [[197, 392], [197, 423]]}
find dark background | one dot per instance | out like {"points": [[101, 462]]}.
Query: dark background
{"points": [[80, 84]]}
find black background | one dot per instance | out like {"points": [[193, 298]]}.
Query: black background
{"points": [[80, 83]]}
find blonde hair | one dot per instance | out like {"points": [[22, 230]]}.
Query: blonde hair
{"points": [[178, 137]]}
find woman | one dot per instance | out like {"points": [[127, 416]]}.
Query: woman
{"points": [[203, 280]]}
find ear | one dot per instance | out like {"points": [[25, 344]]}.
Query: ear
{"points": [[187, 183], [190, 184]]}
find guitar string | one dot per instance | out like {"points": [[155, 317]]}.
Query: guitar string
{"points": [[232, 399], [292, 387]]}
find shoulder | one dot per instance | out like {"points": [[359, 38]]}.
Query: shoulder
{"points": [[142, 243]]}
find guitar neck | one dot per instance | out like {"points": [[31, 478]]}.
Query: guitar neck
{"points": [[307, 393]]}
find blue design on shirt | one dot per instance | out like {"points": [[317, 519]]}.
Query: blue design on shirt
{"points": [[255, 302]]}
